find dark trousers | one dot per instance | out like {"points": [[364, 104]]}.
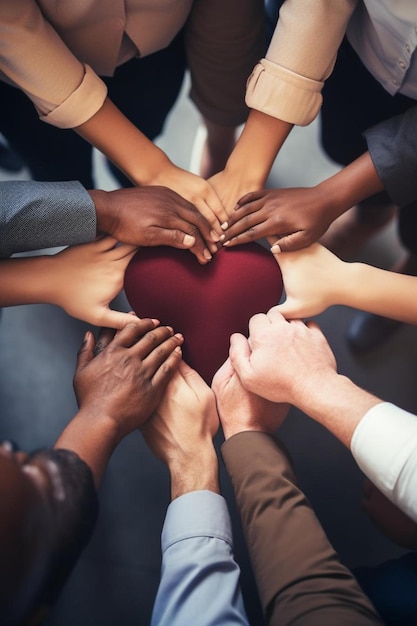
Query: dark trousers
{"points": [[145, 90]]}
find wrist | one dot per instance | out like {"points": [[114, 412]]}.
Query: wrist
{"points": [[194, 472], [105, 216]]}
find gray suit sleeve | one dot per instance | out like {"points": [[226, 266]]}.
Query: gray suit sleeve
{"points": [[392, 145], [36, 215]]}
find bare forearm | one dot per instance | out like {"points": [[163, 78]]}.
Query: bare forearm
{"points": [[93, 439], [337, 404], [195, 474], [355, 182], [25, 280], [132, 152], [257, 148], [382, 292]]}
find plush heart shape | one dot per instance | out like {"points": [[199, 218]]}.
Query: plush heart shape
{"points": [[206, 303]]}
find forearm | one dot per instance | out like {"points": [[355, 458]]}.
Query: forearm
{"points": [[93, 438], [380, 291], [336, 403], [195, 474], [26, 280], [352, 184], [298, 573], [257, 148], [140, 159]]}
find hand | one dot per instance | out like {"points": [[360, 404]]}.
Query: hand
{"points": [[229, 188], [181, 431], [295, 218], [282, 361], [197, 191], [314, 279], [123, 376], [88, 277], [239, 409], [154, 216]]}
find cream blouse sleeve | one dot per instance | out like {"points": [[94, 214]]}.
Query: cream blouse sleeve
{"points": [[34, 58], [287, 83]]}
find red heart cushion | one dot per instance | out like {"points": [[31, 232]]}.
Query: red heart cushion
{"points": [[206, 303]]}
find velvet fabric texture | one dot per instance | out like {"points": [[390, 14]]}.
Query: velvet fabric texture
{"points": [[206, 303]]}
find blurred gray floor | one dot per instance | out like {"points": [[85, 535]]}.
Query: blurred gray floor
{"points": [[117, 577]]}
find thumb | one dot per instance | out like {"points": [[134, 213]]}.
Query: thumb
{"points": [[86, 351], [239, 353], [290, 243], [222, 376], [290, 309]]}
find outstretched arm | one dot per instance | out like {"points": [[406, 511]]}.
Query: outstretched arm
{"points": [[83, 280], [198, 568], [292, 362], [298, 573], [295, 218], [119, 381], [314, 279]]}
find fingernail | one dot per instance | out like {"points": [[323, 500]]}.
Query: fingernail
{"points": [[225, 226], [275, 249], [222, 238], [179, 336], [178, 349], [189, 240], [207, 255], [226, 243], [215, 236]]}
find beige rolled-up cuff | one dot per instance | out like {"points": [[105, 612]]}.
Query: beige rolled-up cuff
{"points": [[283, 94], [81, 105]]}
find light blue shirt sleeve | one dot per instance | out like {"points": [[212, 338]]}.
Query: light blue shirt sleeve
{"points": [[200, 578]]}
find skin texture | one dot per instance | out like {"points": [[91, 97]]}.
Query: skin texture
{"points": [[82, 280], [118, 382], [241, 410], [315, 279], [146, 164], [181, 430], [248, 166], [296, 218], [154, 216], [291, 362]]}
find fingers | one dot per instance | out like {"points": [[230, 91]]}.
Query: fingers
{"points": [[289, 243], [113, 319], [164, 361], [222, 376], [239, 354], [86, 351], [134, 330], [185, 240]]}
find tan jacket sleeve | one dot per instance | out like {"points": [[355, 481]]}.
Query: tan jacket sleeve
{"points": [[287, 83], [299, 575], [224, 40], [34, 58]]}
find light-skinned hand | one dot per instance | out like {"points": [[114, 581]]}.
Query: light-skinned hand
{"points": [[282, 360], [314, 279], [86, 278], [241, 410]]}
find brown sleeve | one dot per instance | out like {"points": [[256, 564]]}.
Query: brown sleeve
{"points": [[300, 578], [224, 40]]}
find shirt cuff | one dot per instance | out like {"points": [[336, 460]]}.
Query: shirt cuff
{"points": [[81, 105], [197, 514], [283, 94], [382, 444]]}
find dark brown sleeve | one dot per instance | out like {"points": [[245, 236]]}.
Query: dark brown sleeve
{"points": [[300, 578], [225, 39]]}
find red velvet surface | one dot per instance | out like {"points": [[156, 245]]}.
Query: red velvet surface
{"points": [[205, 303]]}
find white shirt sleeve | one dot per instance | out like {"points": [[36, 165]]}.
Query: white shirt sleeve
{"points": [[384, 446], [200, 578]]}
